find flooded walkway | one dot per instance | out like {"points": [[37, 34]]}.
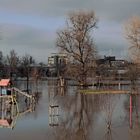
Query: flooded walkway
{"points": [[65, 114]]}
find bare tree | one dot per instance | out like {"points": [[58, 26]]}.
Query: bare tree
{"points": [[1, 64], [1, 56], [13, 61], [76, 41], [26, 62], [36, 74], [132, 29], [133, 74]]}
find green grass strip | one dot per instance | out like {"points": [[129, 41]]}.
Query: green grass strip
{"points": [[89, 91]]}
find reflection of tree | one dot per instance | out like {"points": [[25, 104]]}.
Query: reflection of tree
{"points": [[135, 129], [135, 132], [78, 112], [36, 73], [109, 103], [77, 120], [37, 96], [53, 105], [108, 135]]}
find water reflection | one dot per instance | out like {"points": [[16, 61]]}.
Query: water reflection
{"points": [[53, 105], [76, 114], [108, 107], [134, 117], [65, 114], [95, 116]]}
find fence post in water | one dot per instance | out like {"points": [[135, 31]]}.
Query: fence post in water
{"points": [[61, 81], [130, 113], [119, 85]]}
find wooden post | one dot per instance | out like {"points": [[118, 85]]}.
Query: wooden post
{"points": [[61, 81], [119, 86], [130, 113]]}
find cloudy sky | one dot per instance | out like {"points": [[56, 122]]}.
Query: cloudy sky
{"points": [[29, 26]]}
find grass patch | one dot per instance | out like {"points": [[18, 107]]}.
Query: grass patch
{"points": [[90, 91]]}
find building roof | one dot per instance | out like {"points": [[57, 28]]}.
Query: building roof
{"points": [[4, 82]]}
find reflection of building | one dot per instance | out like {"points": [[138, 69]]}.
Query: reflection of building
{"points": [[56, 64], [53, 115], [53, 106]]}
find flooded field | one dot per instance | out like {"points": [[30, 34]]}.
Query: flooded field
{"points": [[66, 114]]}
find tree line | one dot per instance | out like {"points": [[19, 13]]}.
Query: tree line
{"points": [[13, 65]]}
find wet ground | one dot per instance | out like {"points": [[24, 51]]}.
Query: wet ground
{"points": [[65, 114]]}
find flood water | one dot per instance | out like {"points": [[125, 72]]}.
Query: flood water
{"points": [[66, 114]]}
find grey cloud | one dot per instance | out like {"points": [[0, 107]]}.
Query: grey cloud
{"points": [[122, 10], [25, 36], [24, 40], [111, 9]]}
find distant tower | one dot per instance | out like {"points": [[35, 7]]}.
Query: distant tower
{"points": [[123, 53], [110, 52]]}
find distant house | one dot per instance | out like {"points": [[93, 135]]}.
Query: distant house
{"points": [[106, 60], [57, 59], [109, 66], [119, 63], [112, 62]]}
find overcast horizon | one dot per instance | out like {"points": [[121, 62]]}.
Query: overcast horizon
{"points": [[29, 26]]}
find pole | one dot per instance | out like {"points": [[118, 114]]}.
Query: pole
{"points": [[130, 113]]}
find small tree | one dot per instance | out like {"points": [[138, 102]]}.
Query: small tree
{"points": [[36, 74], [132, 29], [76, 41], [133, 73], [13, 61], [1, 64], [26, 62]]}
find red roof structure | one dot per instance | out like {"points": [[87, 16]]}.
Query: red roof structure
{"points": [[4, 82], [4, 123]]}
